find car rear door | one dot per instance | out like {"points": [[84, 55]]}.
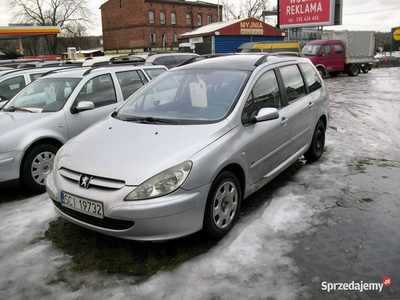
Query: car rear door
{"points": [[267, 142], [300, 107]]}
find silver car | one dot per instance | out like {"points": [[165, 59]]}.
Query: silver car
{"points": [[182, 153], [36, 122]]}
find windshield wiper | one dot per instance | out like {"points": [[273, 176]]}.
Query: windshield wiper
{"points": [[151, 120], [14, 109]]}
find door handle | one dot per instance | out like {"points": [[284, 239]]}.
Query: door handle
{"points": [[284, 121], [310, 104]]}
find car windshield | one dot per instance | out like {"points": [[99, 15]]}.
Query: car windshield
{"points": [[42, 95], [185, 97], [311, 50]]}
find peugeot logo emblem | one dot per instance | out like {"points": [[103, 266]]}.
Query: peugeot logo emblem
{"points": [[84, 181]]}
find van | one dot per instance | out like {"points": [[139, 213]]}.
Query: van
{"points": [[269, 47]]}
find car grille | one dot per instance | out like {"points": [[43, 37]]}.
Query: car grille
{"points": [[106, 223], [99, 182]]}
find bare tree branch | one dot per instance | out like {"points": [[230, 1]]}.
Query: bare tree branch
{"points": [[246, 9], [52, 13]]}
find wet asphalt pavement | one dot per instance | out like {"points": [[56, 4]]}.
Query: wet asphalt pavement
{"points": [[358, 238]]}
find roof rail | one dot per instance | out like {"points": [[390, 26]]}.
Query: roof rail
{"points": [[58, 70], [262, 59], [114, 65]]}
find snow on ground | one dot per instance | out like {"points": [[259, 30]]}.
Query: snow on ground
{"points": [[251, 262]]}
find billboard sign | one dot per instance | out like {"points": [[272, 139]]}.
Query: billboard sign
{"points": [[306, 13], [395, 38]]}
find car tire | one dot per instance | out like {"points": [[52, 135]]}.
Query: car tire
{"points": [[317, 143], [354, 70], [321, 71], [365, 69], [37, 164], [223, 205]]}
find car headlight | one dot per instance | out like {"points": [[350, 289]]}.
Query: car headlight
{"points": [[163, 183], [57, 158]]}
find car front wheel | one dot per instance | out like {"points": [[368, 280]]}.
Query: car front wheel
{"points": [[317, 143], [223, 205], [37, 164]]}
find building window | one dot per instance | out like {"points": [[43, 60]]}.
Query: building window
{"points": [[152, 38], [151, 16], [209, 20], [164, 40], [173, 18], [162, 17], [199, 20], [174, 38], [188, 18]]}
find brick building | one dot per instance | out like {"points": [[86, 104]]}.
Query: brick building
{"points": [[135, 25]]}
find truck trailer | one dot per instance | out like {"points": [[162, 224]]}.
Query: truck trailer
{"points": [[348, 52]]}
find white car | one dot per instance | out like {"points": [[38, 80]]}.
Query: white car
{"points": [[14, 80], [56, 107]]}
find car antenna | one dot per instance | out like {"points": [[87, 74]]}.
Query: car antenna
{"points": [[272, 44]]}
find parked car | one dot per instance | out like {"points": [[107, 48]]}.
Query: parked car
{"points": [[269, 47], [56, 107], [183, 152], [170, 59], [14, 80]]}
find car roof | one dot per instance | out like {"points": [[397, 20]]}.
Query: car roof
{"points": [[81, 72], [15, 72], [244, 62], [152, 57]]}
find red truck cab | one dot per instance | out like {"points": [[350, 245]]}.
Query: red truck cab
{"points": [[327, 55]]}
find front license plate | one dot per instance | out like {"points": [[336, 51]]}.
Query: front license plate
{"points": [[89, 207]]}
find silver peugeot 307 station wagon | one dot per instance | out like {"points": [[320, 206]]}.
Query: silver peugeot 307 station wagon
{"points": [[183, 152]]}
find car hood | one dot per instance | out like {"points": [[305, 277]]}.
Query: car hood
{"points": [[10, 121], [134, 152]]}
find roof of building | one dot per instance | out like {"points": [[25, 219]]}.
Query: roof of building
{"points": [[13, 32], [213, 27]]}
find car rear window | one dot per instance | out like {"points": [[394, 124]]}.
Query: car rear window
{"points": [[311, 77], [293, 81]]}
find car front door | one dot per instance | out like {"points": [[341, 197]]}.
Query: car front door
{"points": [[300, 108], [267, 142], [99, 90]]}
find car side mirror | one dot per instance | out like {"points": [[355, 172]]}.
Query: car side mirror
{"points": [[266, 114], [84, 105]]}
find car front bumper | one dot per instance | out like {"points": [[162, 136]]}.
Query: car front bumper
{"points": [[172, 216]]}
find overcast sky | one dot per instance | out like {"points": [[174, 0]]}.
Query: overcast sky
{"points": [[377, 15]]}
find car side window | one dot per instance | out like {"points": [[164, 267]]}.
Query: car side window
{"points": [[265, 93], [327, 49], [311, 77], [293, 82], [33, 77], [153, 73], [338, 49], [9, 87], [167, 61], [130, 82], [100, 90]]}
